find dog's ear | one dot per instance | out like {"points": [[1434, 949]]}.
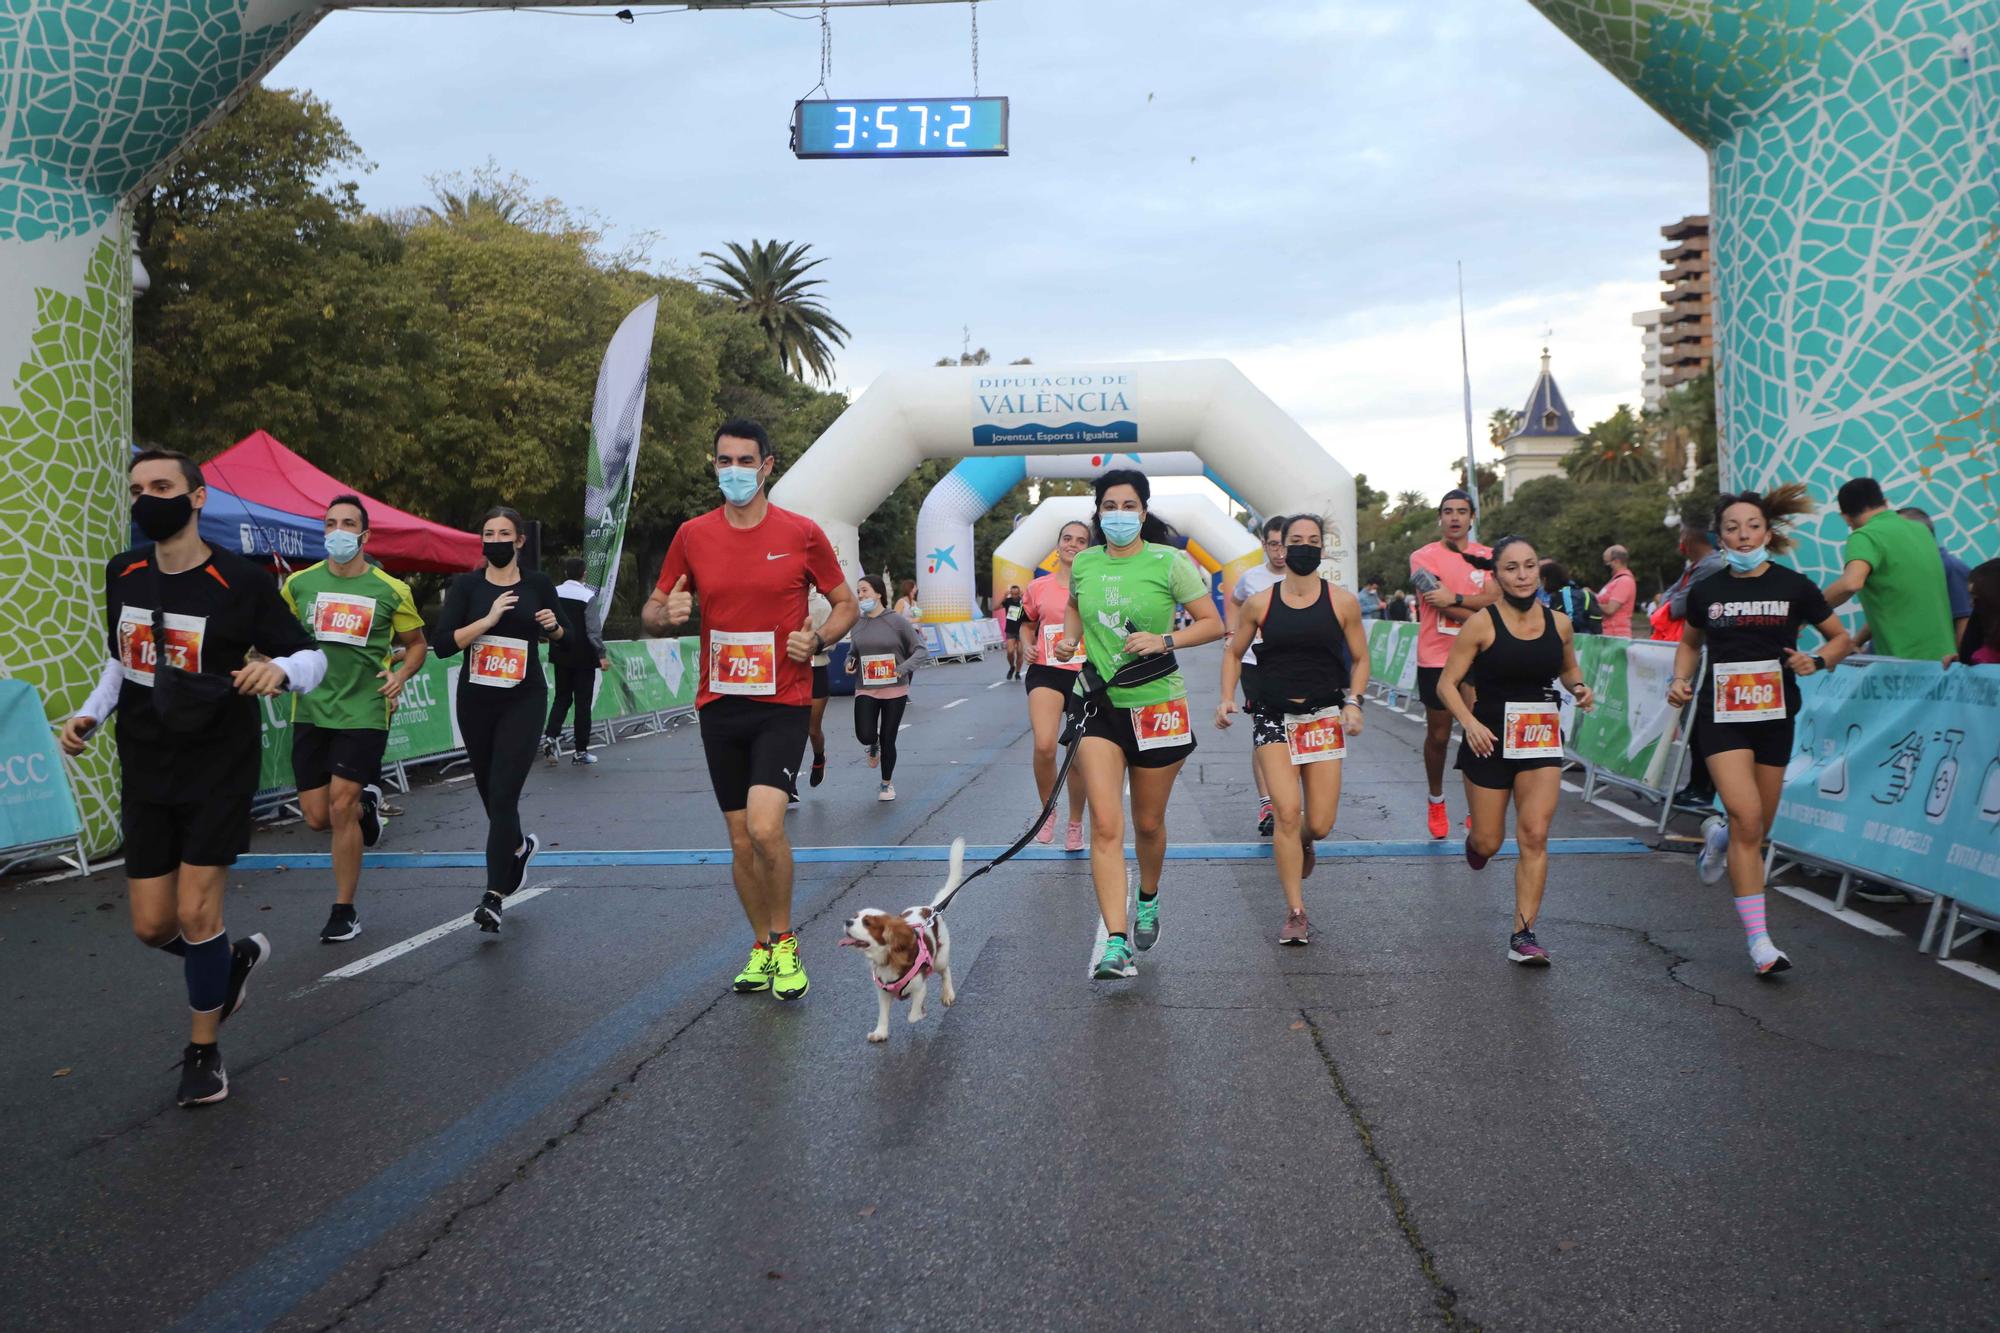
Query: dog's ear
{"points": [[901, 937], [878, 926], [926, 913]]}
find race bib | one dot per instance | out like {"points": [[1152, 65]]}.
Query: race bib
{"points": [[1162, 725], [1314, 738], [1749, 692], [1051, 636], [338, 619], [1448, 628], [1532, 731], [496, 660], [742, 663], [137, 653], [878, 669]]}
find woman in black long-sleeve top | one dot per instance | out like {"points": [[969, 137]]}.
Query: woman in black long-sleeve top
{"points": [[498, 616]]}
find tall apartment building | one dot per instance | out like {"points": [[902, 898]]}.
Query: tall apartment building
{"points": [[1687, 322], [1651, 391]]}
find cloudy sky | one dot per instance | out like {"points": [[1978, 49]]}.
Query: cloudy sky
{"points": [[1280, 182]]}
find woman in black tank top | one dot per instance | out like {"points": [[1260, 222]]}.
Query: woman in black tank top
{"points": [[1312, 665], [1514, 654]]}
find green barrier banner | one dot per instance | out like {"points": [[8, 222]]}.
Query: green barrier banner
{"points": [[274, 768], [422, 723], [1630, 730], [1379, 637], [634, 684], [679, 664], [1399, 661]]}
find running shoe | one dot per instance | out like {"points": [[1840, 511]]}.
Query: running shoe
{"points": [[788, 974], [551, 750], [245, 956], [1266, 821], [583, 757], [1523, 949], [1439, 821], [1767, 957], [203, 1079], [487, 915], [1073, 840], [1116, 962], [1047, 832], [1311, 852], [756, 974], [343, 923], [818, 770], [1712, 861], [887, 793], [1146, 923], [1474, 859], [1296, 930], [371, 815], [521, 859]]}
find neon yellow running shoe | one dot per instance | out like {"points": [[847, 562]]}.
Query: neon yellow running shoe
{"points": [[788, 980], [756, 974]]}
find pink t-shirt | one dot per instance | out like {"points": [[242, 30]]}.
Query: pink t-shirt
{"points": [[1435, 634], [1044, 602], [1618, 624]]}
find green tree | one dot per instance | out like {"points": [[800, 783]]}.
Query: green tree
{"points": [[1500, 424], [768, 281], [1613, 451]]}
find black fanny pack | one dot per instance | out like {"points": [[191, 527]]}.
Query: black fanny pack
{"points": [[188, 702]]}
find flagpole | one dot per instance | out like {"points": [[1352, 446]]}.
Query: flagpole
{"points": [[1465, 369]]}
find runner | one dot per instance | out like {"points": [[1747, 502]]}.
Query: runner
{"points": [[1748, 615], [359, 615], [1304, 702], [1050, 683], [1249, 583], [751, 563], [575, 661], [1450, 578], [882, 651], [822, 663], [1513, 732], [1010, 621], [906, 603], [189, 746], [501, 613], [1121, 602]]}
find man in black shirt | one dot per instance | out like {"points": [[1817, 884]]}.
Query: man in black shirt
{"points": [[575, 661], [189, 736]]}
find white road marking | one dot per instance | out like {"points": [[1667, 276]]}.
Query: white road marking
{"points": [[998, 683], [1625, 813], [905, 727], [1848, 915], [953, 704], [395, 951], [1985, 976]]}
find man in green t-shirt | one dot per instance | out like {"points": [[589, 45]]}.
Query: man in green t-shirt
{"points": [[1893, 564], [340, 730]]}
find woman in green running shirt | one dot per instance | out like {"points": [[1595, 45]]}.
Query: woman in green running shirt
{"points": [[1122, 597]]}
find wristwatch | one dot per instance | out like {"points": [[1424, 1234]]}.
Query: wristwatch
{"points": [[1819, 662], [1167, 643], [819, 643], [1458, 599]]}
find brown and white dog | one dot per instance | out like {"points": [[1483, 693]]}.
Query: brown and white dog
{"points": [[904, 950]]}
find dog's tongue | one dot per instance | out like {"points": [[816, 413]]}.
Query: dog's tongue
{"points": [[849, 942]]}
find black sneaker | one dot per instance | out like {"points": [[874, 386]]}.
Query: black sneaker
{"points": [[246, 955], [371, 815], [551, 749], [1266, 822], [521, 860], [342, 924], [487, 915], [203, 1079]]}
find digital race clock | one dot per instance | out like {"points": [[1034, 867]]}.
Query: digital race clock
{"points": [[913, 127]]}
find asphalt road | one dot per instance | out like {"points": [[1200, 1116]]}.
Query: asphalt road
{"points": [[575, 1125]]}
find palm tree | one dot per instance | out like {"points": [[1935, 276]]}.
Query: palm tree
{"points": [[769, 281], [1614, 451], [1410, 500], [1500, 424], [475, 205]]}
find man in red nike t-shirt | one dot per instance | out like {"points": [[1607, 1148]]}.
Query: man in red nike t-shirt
{"points": [[751, 564]]}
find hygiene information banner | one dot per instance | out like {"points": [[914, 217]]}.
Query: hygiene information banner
{"points": [[35, 803], [1895, 772], [615, 416], [1630, 730]]}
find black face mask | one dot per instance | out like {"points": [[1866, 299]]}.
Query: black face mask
{"points": [[1303, 558], [1520, 603], [161, 516], [498, 554]]}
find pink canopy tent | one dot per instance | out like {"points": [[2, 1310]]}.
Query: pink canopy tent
{"points": [[266, 477]]}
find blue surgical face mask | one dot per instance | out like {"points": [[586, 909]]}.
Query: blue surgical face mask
{"points": [[342, 546], [1744, 561], [739, 484], [869, 606], [1121, 526]]}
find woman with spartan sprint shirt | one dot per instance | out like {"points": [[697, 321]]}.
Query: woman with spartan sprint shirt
{"points": [[1513, 653], [1748, 615]]}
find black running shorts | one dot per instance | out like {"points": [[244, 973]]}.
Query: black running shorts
{"points": [[322, 753], [160, 837], [748, 744], [1427, 687], [822, 683], [1112, 723], [1041, 677], [1769, 743]]}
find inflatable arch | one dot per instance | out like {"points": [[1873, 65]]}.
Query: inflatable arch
{"points": [[1218, 543], [1207, 408], [970, 490]]}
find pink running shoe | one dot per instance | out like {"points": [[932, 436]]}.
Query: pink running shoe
{"points": [[1073, 840], [1047, 832]]}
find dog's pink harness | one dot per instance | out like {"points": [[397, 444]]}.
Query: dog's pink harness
{"points": [[920, 968]]}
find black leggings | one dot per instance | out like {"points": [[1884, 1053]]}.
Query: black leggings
{"points": [[500, 738], [876, 722], [577, 680]]}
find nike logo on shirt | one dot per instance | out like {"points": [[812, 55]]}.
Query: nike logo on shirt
{"points": [[779, 556]]}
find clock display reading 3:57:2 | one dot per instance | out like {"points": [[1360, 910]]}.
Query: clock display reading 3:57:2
{"points": [[902, 127]]}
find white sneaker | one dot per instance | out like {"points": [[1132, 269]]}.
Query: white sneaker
{"points": [[1712, 861], [1767, 957], [888, 792]]}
